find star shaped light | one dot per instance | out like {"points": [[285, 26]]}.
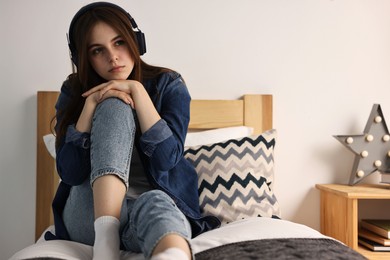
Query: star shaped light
{"points": [[371, 149]]}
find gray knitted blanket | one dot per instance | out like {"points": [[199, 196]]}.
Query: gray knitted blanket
{"points": [[284, 248]]}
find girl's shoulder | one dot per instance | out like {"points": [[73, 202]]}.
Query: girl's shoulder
{"points": [[68, 85], [168, 76], [168, 84], [165, 79]]}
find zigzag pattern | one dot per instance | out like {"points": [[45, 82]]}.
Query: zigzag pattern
{"points": [[269, 142], [250, 188], [238, 197], [227, 184], [231, 149], [235, 177], [218, 154], [237, 203], [225, 170], [257, 207]]}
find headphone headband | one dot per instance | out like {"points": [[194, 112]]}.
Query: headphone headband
{"points": [[140, 37]]}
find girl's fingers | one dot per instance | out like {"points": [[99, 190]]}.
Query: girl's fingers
{"points": [[131, 102], [110, 85], [94, 89], [118, 94], [126, 98], [108, 89]]}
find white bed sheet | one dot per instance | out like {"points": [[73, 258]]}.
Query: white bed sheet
{"points": [[241, 230]]}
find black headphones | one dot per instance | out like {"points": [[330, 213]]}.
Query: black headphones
{"points": [[140, 37]]}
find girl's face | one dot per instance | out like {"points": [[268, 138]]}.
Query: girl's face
{"points": [[108, 53]]}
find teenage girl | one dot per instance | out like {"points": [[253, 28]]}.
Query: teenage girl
{"points": [[121, 125]]}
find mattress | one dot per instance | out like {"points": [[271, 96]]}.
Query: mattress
{"points": [[250, 229]]}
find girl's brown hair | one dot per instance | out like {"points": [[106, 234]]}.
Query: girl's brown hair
{"points": [[86, 78]]}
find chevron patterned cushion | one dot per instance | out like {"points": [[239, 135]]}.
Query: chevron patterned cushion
{"points": [[236, 176]]}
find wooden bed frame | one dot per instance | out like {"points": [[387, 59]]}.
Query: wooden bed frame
{"points": [[251, 110]]}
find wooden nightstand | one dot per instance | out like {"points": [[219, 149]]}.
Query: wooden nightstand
{"points": [[339, 213]]}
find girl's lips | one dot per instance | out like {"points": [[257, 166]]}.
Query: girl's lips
{"points": [[116, 69]]}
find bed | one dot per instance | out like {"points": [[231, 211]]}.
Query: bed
{"points": [[231, 144]]}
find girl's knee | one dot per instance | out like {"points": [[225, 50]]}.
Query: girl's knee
{"points": [[114, 109], [153, 204], [156, 215], [154, 195], [112, 102]]}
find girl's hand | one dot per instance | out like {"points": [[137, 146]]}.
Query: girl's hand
{"points": [[125, 90], [122, 89], [131, 92]]}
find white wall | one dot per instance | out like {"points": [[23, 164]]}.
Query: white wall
{"points": [[326, 63]]}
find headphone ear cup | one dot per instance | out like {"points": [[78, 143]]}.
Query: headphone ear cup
{"points": [[141, 42]]}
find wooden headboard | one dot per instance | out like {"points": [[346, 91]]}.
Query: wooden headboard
{"points": [[251, 110]]}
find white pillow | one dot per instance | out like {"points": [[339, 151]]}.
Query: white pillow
{"points": [[217, 135], [192, 138], [50, 141]]}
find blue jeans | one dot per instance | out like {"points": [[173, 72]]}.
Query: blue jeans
{"points": [[145, 220]]}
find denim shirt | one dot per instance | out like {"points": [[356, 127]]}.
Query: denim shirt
{"points": [[160, 148]]}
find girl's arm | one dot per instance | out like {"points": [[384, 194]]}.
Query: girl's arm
{"points": [[72, 152], [163, 143], [131, 92], [164, 128]]}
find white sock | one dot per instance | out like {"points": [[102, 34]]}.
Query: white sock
{"points": [[106, 238], [171, 253]]}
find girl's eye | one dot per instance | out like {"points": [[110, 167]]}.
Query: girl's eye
{"points": [[120, 42], [96, 51]]}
